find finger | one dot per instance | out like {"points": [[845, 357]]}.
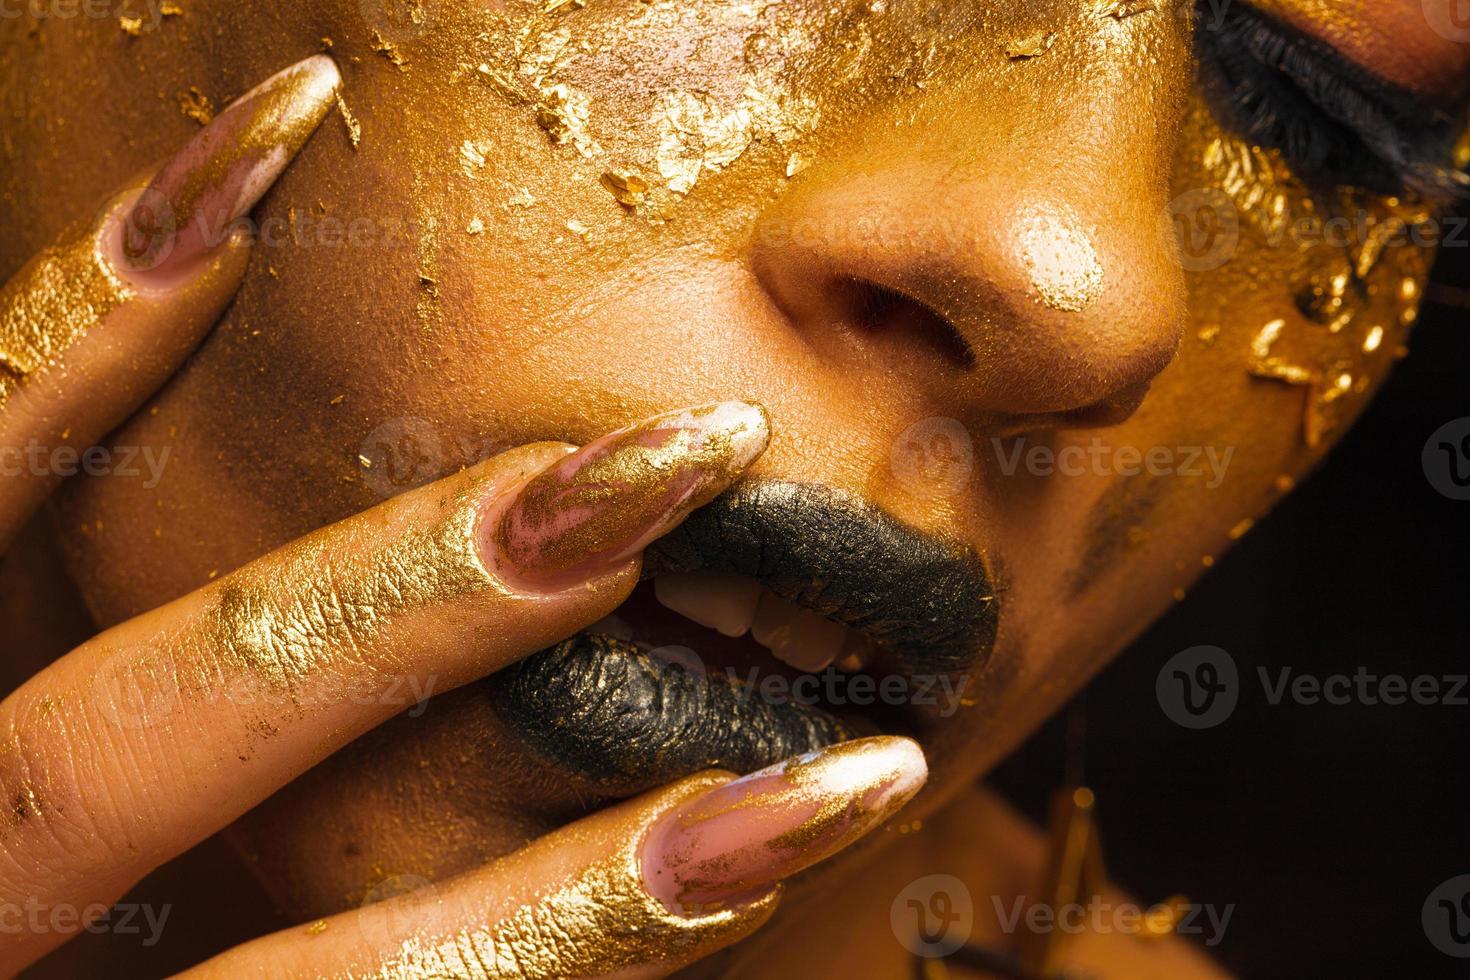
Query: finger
{"points": [[94, 324], [158, 732], [638, 890]]}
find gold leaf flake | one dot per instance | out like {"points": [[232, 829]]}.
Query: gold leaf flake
{"points": [[171, 8], [472, 156], [132, 26], [1033, 46], [562, 112], [196, 105], [521, 198], [354, 128], [388, 50], [795, 164], [475, 227], [626, 187]]}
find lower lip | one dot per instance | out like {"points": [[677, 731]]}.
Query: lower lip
{"points": [[623, 717]]}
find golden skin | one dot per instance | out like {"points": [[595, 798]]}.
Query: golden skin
{"points": [[1018, 198]]}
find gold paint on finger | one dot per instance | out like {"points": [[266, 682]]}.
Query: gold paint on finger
{"points": [[51, 304], [600, 921]]}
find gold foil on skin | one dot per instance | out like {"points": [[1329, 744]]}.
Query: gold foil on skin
{"points": [[354, 128], [197, 106], [51, 305], [696, 131], [601, 921], [1331, 343]]}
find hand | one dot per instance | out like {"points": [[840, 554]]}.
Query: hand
{"points": [[155, 734]]}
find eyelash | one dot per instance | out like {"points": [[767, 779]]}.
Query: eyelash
{"points": [[1332, 120]]}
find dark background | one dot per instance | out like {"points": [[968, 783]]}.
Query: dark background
{"points": [[1327, 827]]}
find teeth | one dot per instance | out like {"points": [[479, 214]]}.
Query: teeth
{"points": [[857, 650], [726, 603], [797, 636], [734, 605]]}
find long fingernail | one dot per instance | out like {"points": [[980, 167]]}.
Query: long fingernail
{"points": [[227, 167], [750, 833], [600, 506]]}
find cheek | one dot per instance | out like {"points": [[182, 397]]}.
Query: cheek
{"points": [[1299, 307]]}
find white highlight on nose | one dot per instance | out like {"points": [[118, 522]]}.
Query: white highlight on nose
{"points": [[1060, 258]]}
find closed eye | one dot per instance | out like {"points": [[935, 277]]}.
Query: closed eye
{"points": [[1333, 120]]}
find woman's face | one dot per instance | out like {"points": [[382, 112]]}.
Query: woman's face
{"points": [[1013, 288]]}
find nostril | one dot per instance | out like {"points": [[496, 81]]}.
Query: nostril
{"points": [[875, 307]]}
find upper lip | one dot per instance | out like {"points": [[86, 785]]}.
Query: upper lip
{"points": [[621, 718], [923, 599]]}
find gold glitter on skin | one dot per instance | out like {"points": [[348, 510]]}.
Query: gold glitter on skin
{"points": [[1333, 343], [523, 283], [51, 304], [600, 920]]}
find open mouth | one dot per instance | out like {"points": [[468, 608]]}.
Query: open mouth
{"points": [[777, 619]]}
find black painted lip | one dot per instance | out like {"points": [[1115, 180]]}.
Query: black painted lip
{"points": [[926, 600], [608, 713]]}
